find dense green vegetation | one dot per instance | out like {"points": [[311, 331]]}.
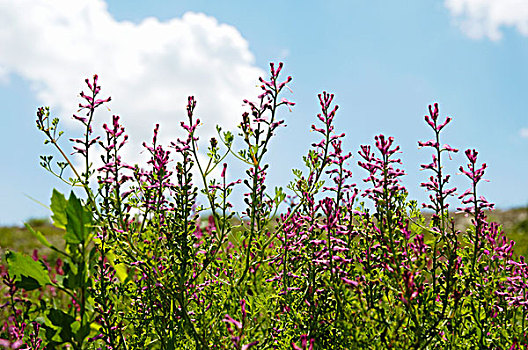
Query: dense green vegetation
{"points": [[514, 223], [135, 262]]}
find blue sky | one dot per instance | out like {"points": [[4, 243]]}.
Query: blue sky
{"points": [[384, 62]]}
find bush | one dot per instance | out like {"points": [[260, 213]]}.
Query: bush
{"points": [[142, 266]]}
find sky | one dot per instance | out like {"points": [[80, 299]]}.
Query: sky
{"points": [[384, 62]]}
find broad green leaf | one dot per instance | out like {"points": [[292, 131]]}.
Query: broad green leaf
{"points": [[81, 332], [79, 221], [27, 283], [71, 278], [64, 321], [28, 272], [58, 207], [38, 235]]}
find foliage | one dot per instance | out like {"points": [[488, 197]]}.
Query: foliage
{"points": [[140, 268]]}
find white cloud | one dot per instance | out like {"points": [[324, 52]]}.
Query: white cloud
{"points": [[484, 18], [4, 76], [149, 68], [524, 132]]}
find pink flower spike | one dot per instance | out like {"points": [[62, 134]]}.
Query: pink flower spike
{"points": [[447, 121], [229, 319], [287, 102], [224, 170], [450, 149], [250, 345], [349, 282], [471, 155], [87, 81], [430, 143], [243, 307], [304, 339], [430, 122], [433, 113]]}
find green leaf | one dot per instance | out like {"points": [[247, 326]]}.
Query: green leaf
{"points": [[121, 272], [79, 221], [30, 274], [71, 279], [279, 195], [64, 321], [38, 235], [120, 268], [82, 333], [58, 207], [228, 137], [27, 283]]}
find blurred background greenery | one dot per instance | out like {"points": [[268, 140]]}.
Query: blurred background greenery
{"points": [[21, 240]]}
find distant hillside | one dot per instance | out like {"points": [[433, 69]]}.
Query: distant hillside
{"points": [[514, 223]]}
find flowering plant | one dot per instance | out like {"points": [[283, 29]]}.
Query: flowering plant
{"points": [[145, 265]]}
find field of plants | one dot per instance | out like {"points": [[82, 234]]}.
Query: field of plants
{"points": [[134, 261]]}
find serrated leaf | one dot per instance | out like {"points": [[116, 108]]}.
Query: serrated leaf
{"points": [[38, 235], [28, 272], [58, 207], [79, 221]]}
